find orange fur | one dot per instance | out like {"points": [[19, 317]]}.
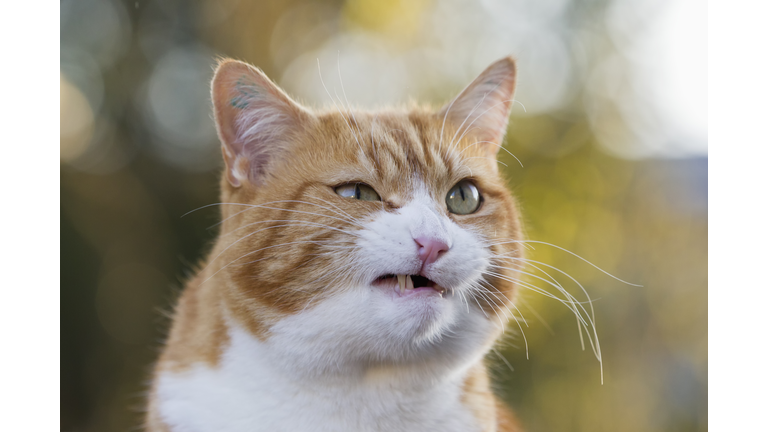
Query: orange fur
{"points": [[259, 279]]}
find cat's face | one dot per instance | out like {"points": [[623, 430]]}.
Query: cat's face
{"points": [[366, 238]]}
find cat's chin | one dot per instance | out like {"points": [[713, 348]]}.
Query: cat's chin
{"points": [[423, 309]]}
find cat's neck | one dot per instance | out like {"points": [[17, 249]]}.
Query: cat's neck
{"points": [[287, 358], [253, 372]]}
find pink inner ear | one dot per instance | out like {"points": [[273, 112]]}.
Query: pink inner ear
{"points": [[253, 117], [481, 111], [260, 127]]}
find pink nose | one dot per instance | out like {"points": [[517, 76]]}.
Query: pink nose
{"points": [[430, 249]]}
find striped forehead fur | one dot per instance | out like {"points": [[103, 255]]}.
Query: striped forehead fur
{"points": [[391, 150]]}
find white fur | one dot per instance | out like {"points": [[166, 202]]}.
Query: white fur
{"points": [[364, 359], [256, 389]]}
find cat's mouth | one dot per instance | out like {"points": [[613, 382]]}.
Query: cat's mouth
{"points": [[408, 284]]}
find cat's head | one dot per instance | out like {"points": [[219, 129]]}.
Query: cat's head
{"points": [[355, 238]]}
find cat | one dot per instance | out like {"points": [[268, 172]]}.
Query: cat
{"points": [[356, 283]]}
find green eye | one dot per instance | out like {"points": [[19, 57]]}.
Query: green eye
{"points": [[359, 191], [463, 198]]}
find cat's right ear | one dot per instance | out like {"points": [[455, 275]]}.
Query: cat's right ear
{"points": [[254, 119], [482, 109]]}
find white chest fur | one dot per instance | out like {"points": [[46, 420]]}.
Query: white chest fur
{"points": [[246, 393]]}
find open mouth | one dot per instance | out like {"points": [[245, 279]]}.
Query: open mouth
{"points": [[407, 284]]}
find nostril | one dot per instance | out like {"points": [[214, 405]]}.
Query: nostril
{"points": [[430, 249], [420, 241]]}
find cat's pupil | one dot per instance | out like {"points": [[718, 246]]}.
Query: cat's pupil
{"points": [[358, 191], [463, 198]]}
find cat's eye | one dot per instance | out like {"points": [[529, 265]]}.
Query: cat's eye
{"points": [[359, 191], [463, 198]]}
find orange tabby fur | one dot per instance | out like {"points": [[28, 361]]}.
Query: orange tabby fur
{"points": [[281, 271]]}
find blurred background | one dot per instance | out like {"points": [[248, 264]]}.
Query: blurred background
{"points": [[611, 130]]}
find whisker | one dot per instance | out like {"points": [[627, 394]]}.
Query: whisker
{"points": [[467, 118], [346, 120], [512, 304], [536, 314], [445, 116], [464, 298], [264, 205], [481, 157], [478, 305], [497, 145], [350, 112], [574, 254], [582, 289], [594, 343], [511, 369], [373, 142], [308, 213], [525, 339], [554, 281], [257, 250], [479, 116], [263, 229], [542, 292], [528, 261], [296, 222], [475, 107], [487, 299]]}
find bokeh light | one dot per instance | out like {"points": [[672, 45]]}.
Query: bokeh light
{"points": [[76, 121], [177, 106]]}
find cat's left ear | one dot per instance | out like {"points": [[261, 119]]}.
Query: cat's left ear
{"points": [[481, 110], [255, 120]]}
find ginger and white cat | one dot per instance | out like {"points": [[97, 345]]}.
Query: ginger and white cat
{"points": [[355, 285]]}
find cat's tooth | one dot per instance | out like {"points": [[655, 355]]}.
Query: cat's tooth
{"points": [[408, 282], [401, 281]]}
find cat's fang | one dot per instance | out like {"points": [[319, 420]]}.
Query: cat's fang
{"points": [[405, 283]]}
